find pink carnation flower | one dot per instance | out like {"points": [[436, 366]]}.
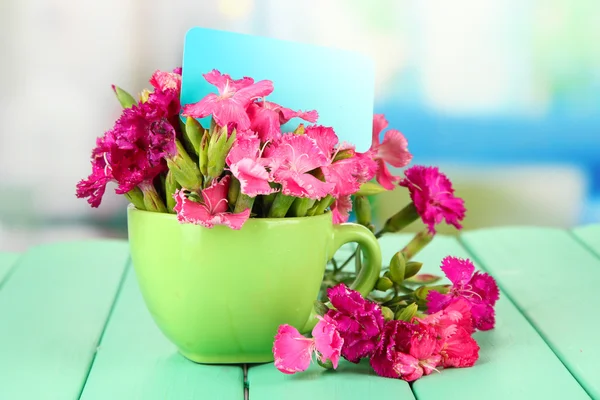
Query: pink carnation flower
{"points": [[293, 352], [454, 327], [245, 162], [433, 196], [212, 210], [406, 351], [392, 150], [340, 209], [359, 322], [291, 159], [266, 118], [478, 289], [230, 104]]}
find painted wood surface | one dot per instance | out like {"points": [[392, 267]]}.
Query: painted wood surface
{"points": [[135, 361], [7, 261], [52, 313], [553, 279]]}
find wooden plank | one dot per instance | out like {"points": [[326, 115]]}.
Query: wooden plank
{"points": [[590, 236], [7, 260], [135, 361], [349, 381], [52, 311], [553, 280], [514, 360]]}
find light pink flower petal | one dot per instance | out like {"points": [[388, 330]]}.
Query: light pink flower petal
{"points": [[202, 108], [255, 91], [379, 124], [430, 363], [296, 152], [253, 177], [301, 185], [384, 177], [291, 350], [286, 114], [328, 341], [345, 175], [407, 367], [340, 209], [265, 122], [394, 149], [324, 137], [234, 220], [458, 270], [224, 83], [215, 196], [245, 146], [189, 211]]}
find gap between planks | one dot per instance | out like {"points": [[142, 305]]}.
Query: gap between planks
{"points": [[109, 315]]}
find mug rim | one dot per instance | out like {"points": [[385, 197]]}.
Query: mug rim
{"points": [[326, 215]]}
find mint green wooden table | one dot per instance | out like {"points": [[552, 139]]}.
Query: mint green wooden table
{"points": [[73, 325]]}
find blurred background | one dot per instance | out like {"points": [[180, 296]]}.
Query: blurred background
{"points": [[503, 95]]}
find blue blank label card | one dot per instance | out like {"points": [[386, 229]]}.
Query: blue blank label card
{"points": [[338, 84]]}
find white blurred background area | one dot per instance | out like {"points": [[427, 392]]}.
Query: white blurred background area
{"points": [[503, 95]]}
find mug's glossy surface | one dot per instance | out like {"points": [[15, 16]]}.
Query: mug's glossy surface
{"points": [[219, 294]]}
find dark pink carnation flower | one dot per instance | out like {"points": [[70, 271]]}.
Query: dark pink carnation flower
{"points": [[359, 322], [433, 196], [477, 288]]}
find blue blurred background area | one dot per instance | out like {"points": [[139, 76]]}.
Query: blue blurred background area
{"points": [[503, 95]]}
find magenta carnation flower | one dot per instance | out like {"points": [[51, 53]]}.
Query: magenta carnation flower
{"points": [[478, 289], [359, 322], [433, 196]]}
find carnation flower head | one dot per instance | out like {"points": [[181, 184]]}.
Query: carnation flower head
{"points": [[478, 289], [359, 322], [293, 352], [433, 196], [267, 117], [230, 104]]}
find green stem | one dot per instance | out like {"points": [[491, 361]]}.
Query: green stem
{"points": [[417, 244], [400, 220], [243, 203], [136, 197], [152, 200], [300, 206], [280, 206], [320, 206]]}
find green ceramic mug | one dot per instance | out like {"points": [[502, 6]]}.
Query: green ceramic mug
{"points": [[219, 294]]}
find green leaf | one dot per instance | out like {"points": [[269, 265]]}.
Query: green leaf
{"points": [[124, 98]]}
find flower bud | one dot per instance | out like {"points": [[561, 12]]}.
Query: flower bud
{"points": [[299, 130], [184, 170], [417, 244], [144, 95], [124, 98], [203, 153], [343, 154], [407, 313], [136, 197], [369, 189], [388, 314], [152, 200], [193, 133], [327, 364], [397, 268], [384, 284], [363, 210], [412, 268], [171, 186], [218, 147]]}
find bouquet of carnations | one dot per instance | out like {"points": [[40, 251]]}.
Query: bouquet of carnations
{"points": [[242, 165]]}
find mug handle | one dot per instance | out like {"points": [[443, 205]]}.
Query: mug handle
{"points": [[371, 268]]}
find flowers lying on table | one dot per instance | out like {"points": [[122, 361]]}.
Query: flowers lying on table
{"points": [[405, 345]]}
